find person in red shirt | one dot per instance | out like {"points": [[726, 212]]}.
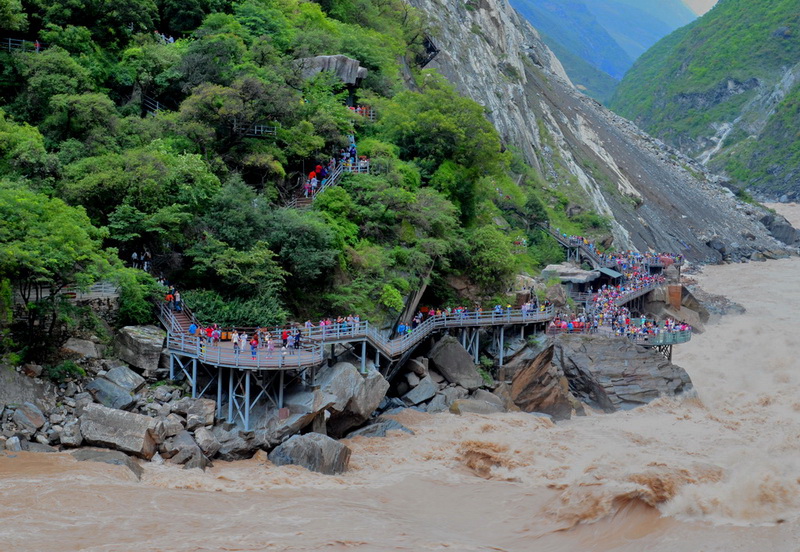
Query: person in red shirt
{"points": [[285, 337]]}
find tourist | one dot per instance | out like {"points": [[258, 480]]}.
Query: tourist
{"points": [[235, 340]]}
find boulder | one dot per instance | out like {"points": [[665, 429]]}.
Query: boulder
{"points": [[349, 70], [542, 387], [182, 449], [780, 228], [356, 396], [412, 379], [614, 373], [172, 425], [140, 346], [207, 441], [233, 446], [71, 434], [126, 378], [488, 396], [30, 446], [32, 370], [81, 348], [113, 457], [418, 366], [199, 412], [110, 394], [464, 406], [314, 452], [16, 388], [379, 429], [13, 444], [118, 429], [453, 362], [422, 392], [28, 417]]}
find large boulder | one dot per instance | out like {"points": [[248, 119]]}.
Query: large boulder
{"points": [[543, 387], [453, 362], [314, 452], [349, 70], [71, 434], [118, 429], [126, 378], [232, 443], [357, 396], [207, 441], [199, 412], [108, 457], [80, 348], [110, 394], [16, 388], [183, 449], [424, 391], [780, 228], [614, 373], [140, 346], [28, 417]]}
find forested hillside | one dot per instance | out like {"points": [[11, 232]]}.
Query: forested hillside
{"points": [[597, 41], [129, 128], [725, 88]]}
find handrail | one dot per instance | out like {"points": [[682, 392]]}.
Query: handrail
{"points": [[11, 44], [317, 338]]}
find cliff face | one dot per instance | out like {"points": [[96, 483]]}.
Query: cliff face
{"points": [[658, 198]]}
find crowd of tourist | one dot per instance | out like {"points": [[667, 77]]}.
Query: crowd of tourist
{"points": [[348, 159]]}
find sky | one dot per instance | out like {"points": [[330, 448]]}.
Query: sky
{"points": [[700, 6]]}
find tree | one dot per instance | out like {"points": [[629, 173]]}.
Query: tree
{"points": [[11, 16], [46, 245], [489, 259]]}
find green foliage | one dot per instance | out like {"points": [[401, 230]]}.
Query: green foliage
{"points": [[706, 73], [137, 292], [211, 307], [489, 258], [64, 371]]}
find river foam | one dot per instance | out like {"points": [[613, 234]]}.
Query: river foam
{"points": [[716, 470]]}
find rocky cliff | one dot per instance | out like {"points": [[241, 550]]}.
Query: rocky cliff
{"points": [[658, 198]]}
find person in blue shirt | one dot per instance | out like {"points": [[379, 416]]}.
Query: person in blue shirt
{"points": [[193, 329]]}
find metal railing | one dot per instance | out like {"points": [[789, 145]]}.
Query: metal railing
{"points": [[332, 180], [20, 45], [662, 338], [317, 337]]}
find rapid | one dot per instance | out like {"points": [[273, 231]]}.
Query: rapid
{"points": [[716, 470]]}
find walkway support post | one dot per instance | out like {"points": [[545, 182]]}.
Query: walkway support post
{"points": [[247, 400], [502, 345], [219, 391], [230, 395], [194, 378], [364, 357], [280, 390]]}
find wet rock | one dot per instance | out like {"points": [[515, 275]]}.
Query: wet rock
{"points": [[488, 396], [30, 446], [28, 417], [113, 457], [379, 429], [232, 445], [314, 452], [207, 442], [110, 394], [81, 348], [422, 392], [464, 406], [141, 346], [412, 379], [453, 362], [118, 429], [614, 373], [125, 378], [172, 425], [182, 449], [542, 387], [357, 396], [13, 444]]}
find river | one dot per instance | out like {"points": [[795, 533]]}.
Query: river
{"points": [[718, 470]]}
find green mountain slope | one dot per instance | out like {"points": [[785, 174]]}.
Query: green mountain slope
{"points": [[719, 78]]}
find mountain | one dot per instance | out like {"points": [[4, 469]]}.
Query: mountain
{"points": [[655, 197], [726, 89], [608, 35]]}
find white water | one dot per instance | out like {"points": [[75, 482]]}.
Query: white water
{"points": [[717, 472]]}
